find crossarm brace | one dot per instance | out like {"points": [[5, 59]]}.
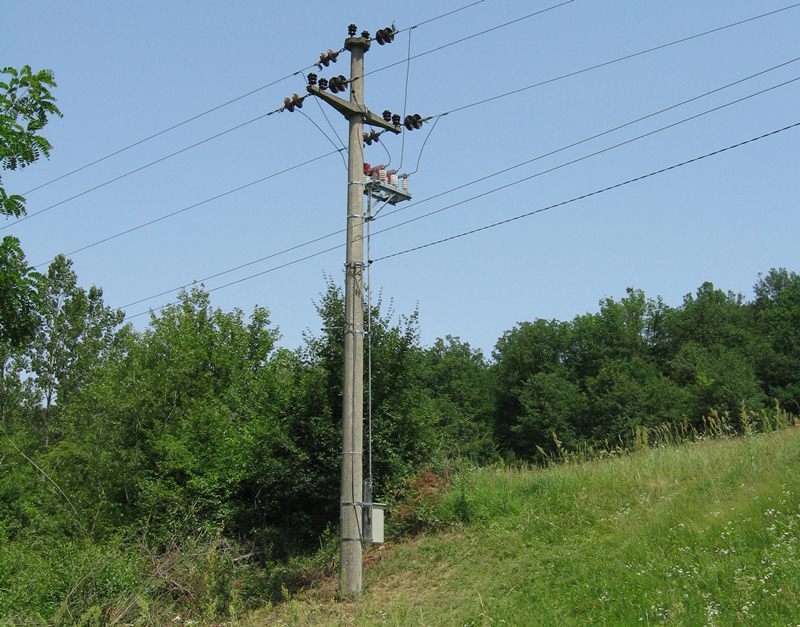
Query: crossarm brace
{"points": [[349, 109]]}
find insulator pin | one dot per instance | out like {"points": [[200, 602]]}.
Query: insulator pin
{"points": [[295, 101]]}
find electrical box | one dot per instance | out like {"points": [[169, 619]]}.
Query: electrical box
{"points": [[378, 510], [372, 515]]}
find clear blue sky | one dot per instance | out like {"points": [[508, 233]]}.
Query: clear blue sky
{"points": [[126, 70]]}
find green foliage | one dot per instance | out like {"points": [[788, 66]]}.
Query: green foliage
{"points": [[199, 461], [26, 105], [18, 296], [699, 534], [639, 363]]}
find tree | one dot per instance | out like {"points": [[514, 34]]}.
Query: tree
{"points": [[18, 296], [26, 105], [75, 330], [524, 351], [777, 312], [455, 379], [19, 319]]}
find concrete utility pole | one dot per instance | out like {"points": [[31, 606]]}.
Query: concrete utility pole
{"points": [[350, 579]]}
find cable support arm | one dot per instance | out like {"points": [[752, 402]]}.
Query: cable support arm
{"points": [[349, 109]]}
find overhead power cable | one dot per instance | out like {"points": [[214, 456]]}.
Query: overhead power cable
{"points": [[405, 101], [581, 158], [194, 205], [603, 190], [438, 17], [611, 130], [468, 37], [243, 279], [172, 128], [488, 192], [448, 191], [339, 149], [594, 67], [221, 106], [498, 223], [613, 61], [140, 168], [463, 107]]}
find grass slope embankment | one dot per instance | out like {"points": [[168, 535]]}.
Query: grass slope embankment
{"points": [[704, 533]]}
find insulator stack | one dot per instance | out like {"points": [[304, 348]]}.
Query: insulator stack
{"points": [[385, 35], [326, 58], [311, 78], [352, 30], [372, 136], [396, 119], [413, 122], [295, 101], [323, 84], [337, 84], [384, 178]]}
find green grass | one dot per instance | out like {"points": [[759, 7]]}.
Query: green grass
{"points": [[705, 533]]}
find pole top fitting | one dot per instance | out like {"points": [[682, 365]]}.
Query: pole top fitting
{"points": [[357, 42]]}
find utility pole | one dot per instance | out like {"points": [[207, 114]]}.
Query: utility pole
{"points": [[357, 114]]}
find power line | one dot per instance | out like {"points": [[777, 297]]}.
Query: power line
{"points": [[247, 278], [405, 99], [438, 17], [192, 206], [611, 130], [560, 166], [461, 108], [239, 267], [333, 143], [171, 128], [140, 168], [448, 191], [327, 119], [425, 143], [582, 158], [502, 187], [472, 36], [494, 224], [437, 118], [589, 195], [616, 60], [220, 106], [457, 109]]}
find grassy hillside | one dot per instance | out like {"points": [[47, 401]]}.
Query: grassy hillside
{"points": [[704, 533]]}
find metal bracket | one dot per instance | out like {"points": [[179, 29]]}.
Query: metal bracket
{"points": [[349, 109], [385, 192]]}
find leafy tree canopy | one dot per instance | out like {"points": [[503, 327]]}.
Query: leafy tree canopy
{"points": [[26, 105]]}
